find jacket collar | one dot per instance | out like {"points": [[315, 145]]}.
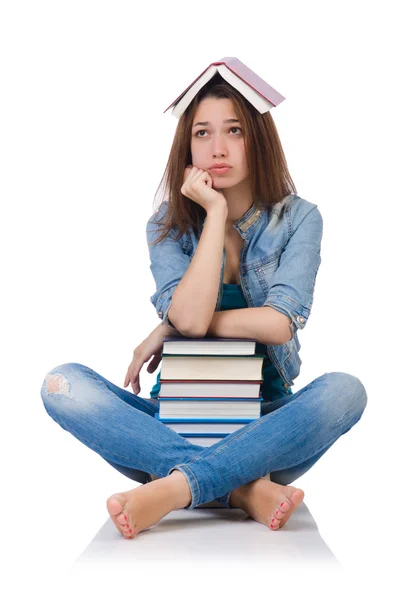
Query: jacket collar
{"points": [[248, 221], [246, 224]]}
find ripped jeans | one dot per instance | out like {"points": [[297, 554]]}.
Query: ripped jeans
{"points": [[292, 433]]}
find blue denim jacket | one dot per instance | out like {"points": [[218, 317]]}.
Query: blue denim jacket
{"points": [[279, 262]]}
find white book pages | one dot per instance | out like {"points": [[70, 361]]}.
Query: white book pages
{"points": [[205, 427], [209, 347], [203, 367]]}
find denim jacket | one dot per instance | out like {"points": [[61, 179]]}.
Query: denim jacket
{"points": [[279, 262]]}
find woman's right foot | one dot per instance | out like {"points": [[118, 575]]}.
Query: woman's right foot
{"points": [[267, 502]]}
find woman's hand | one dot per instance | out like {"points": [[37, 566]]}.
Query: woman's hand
{"points": [[197, 186], [150, 348]]}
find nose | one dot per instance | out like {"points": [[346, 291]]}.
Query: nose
{"points": [[219, 146]]}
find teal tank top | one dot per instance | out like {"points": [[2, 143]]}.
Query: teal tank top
{"points": [[272, 384]]}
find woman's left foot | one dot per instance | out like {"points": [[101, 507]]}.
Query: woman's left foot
{"points": [[267, 502], [144, 506]]}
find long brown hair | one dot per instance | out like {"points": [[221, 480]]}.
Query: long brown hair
{"points": [[268, 172]]}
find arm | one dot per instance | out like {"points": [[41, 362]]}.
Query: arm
{"points": [[199, 275], [290, 297], [291, 286], [194, 300], [263, 324]]}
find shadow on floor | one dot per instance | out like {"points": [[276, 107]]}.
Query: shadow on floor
{"points": [[211, 536]]}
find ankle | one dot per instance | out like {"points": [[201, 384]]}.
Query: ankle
{"points": [[181, 489], [239, 496], [236, 498]]}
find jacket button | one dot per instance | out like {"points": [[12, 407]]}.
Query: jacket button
{"points": [[301, 319], [160, 314]]}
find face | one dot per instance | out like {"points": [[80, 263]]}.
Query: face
{"points": [[216, 141]]}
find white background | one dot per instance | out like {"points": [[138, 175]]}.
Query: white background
{"points": [[84, 142]]}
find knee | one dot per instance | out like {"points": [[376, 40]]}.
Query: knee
{"points": [[348, 392], [57, 383]]}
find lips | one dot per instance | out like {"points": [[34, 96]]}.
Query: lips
{"points": [[220, 165], [219, 170]]}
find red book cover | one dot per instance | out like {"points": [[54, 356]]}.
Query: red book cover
{"points": [[247, 75]]}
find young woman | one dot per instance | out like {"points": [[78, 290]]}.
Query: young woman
{"points": [[234, 253]]}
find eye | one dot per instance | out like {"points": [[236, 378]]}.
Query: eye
{"points": [[204, 130]]}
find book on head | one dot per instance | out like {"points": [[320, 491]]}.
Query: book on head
{"points": [[255, 89]]}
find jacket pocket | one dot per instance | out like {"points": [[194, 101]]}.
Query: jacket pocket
{"points": [[265, 267]]}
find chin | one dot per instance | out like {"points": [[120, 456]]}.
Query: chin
{"points": [[227, 182]]}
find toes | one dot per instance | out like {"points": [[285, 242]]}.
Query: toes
{"points": [[115, 504], [122, 518], [287, 507], [282, 509], [292, 502], [274, 523], [297, 497], [280, 516], [125, 530], [129, 534], [115, 508]]}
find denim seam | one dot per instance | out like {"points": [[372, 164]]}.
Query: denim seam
{"points": [[197, 491], [300, 306]]}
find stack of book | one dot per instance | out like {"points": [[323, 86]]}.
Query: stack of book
{"points": [[209, 387]]}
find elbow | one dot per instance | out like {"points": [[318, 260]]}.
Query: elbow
{"points": [[284, 339], [278, 340], [193, 332], [186, 329], [277, 326], [286, 335], [196, 333], [176, 322]]}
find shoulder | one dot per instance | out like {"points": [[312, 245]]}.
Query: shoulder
{"points": [[294, 205], [159, 214], [155, 224], [295, 209]]}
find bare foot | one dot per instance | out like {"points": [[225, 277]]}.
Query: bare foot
{"points": [[144, 506], [267, 502]]}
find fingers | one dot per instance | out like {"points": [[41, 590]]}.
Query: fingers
{"points": [[133, 375], [127, 378], [136, 388], [139, 358], [193, 173], [189, 173]]}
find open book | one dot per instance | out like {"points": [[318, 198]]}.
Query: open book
{"points": [[257, 91]]}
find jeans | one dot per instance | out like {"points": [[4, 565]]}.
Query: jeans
{"points": [[292, 433]]}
